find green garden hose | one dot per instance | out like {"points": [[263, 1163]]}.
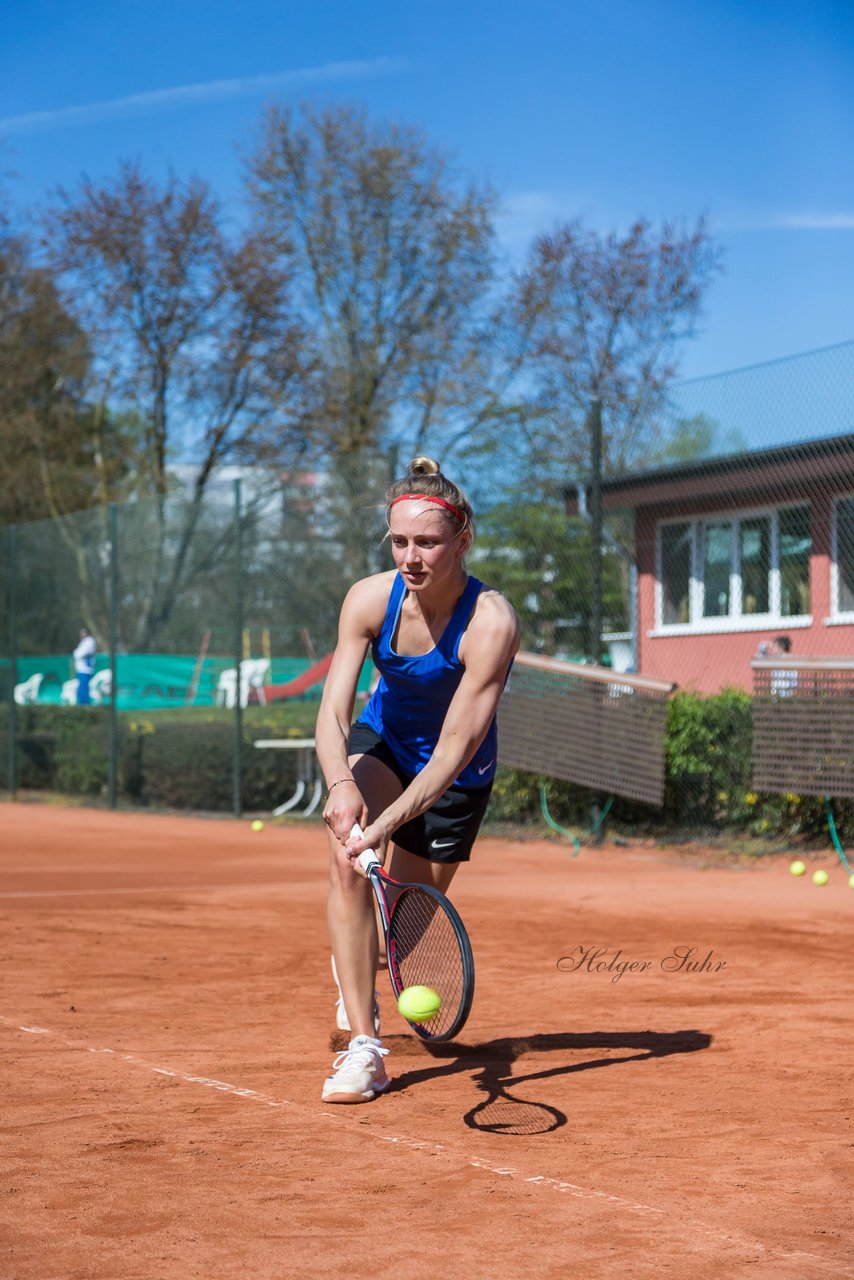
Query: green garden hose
{"points": [[562, 831], [835, 838]]}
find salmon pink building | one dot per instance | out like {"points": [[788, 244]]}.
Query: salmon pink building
{"points": [[732, 552]]}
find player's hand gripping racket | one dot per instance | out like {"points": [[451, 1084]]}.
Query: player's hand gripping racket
{"points": [[426, 945]]}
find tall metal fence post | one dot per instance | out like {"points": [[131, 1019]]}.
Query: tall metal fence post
{"points": [[114, 683], [595, 421], [238, 652], [13, 660]]}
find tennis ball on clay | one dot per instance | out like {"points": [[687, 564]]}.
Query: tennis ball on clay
{"points": [[419, 1004], [820, 877], [851, 882], [257, 825], [798, 868]]}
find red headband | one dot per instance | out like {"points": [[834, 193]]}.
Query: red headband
{"points": [[426, 497]]}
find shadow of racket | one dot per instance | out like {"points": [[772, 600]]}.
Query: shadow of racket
{"points": [[490, 1065], [504, 1113]]}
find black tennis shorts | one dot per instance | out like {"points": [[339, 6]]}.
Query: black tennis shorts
{"points": [[448, 829]]}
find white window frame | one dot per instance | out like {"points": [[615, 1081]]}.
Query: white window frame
{"points": [[734, 621], [838, 617]]}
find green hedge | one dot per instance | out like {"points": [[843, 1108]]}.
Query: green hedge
{"points": [[60, 748], [183, 759], [169, 759]]}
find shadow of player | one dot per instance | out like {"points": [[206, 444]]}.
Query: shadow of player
{"points": [[490, 1065]]}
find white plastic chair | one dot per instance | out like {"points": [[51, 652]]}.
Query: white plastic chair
{"points": [[27, 692], [252, 674], [101, 686]]}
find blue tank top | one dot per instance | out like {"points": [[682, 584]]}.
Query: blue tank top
{"points": [[408, 707]]}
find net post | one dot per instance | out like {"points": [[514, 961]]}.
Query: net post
{"points": [[238, 651], [13, 660], [114, 684], [594, 419]]}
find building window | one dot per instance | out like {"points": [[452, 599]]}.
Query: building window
{"points": [[795, 547], [744, 570], [755, 548], [844, 556], [676, 556], [717, 569]]}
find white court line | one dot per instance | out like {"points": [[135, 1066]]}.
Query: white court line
{"points": [[414, 1144], [267, 1100], [151, 888]]}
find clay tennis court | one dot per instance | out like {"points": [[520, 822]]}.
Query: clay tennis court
{"points": [[167, 1019]]}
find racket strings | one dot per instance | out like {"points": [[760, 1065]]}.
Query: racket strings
{"points": [[427, 953]]}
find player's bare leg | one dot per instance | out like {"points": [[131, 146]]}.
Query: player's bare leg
{"points": [[353, 934], [412, 869], [350, 910]]}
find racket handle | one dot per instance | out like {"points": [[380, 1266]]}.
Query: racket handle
{"points": [[368, 859]]}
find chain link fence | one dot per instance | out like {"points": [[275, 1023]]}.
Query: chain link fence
{"points": [[214, 614]]}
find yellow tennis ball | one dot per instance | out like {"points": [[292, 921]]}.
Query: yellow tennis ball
{"points": [[820, 877], [851, 882], [419, 1004], [257, 825], [798, 868]]}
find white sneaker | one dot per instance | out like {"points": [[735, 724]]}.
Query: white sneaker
{"points": [[342, 1020], [359, 1072]]}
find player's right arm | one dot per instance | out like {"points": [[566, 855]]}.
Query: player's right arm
{"points": [[360, 620]]}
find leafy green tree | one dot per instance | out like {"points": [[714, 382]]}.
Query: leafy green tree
{"points": [[392, 263], [60, 452], [539, 559], [193, 327], [605, 316], [690, 439], [601, 318]]}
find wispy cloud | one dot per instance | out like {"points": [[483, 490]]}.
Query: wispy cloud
{"points": [[817, 221], [525, 214], [207, 91], [740, 222]]}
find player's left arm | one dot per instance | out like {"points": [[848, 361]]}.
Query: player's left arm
{"points": [[491, 642]]}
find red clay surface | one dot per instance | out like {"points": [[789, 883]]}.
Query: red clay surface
{"points": [[166, 1020]]}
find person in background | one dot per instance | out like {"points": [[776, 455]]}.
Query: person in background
{"points": [[84, 666], [785, 680]]}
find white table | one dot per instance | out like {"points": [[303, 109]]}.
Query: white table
{"points": [[308, 776]]}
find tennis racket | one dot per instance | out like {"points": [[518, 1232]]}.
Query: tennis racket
{"points": [[426, 945]]}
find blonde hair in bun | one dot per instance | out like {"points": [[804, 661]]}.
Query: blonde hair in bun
{"points": [[424, 477], [424, 467]]}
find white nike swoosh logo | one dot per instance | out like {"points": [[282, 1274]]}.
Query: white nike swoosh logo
{"points": [[443, 844], [486, 766]]}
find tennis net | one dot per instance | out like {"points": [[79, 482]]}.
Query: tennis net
{"points": [[584, 724]]}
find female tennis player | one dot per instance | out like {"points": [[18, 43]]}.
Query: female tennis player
{"points": [[416, 769]]}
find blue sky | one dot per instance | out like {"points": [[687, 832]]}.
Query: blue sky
{"points": [[606, 110]]}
